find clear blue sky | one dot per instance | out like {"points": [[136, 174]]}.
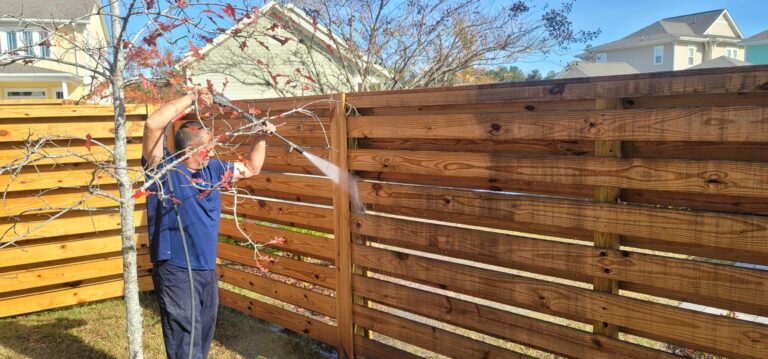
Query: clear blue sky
{"points": [[617, 19]]}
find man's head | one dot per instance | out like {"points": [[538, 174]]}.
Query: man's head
{"points": [[190, 138]]}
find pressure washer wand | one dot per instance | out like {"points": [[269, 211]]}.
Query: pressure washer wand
{"points": [[222, 100]]}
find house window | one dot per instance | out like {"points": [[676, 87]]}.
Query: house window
{"points": [[59, 93], [732, 52], [23, 94], [45, 51], [691, 54], [11, 37], [601, 57], [658, 55], [26, 38]]}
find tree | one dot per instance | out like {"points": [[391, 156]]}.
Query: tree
{"points": [[534, 75], [390, 44], [136, 29], [550, 75]]}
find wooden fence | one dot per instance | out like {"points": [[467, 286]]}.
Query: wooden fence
{"points": [[76, 257], [586, 218]]}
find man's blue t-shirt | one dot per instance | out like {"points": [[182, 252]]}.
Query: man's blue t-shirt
{"points": [[199, 208]]}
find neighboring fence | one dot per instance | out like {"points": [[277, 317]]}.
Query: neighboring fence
{"points": [[76, 257], [569, 217]]}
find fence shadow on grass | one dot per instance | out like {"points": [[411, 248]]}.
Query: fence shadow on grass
{"points": [[58, 331]]}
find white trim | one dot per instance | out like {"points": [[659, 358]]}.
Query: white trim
{"points": [[661, 61], [754, 43], [730, 21], [30, 89], [49, 21]]}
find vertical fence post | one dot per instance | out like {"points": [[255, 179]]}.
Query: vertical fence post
{"points": [[608, 195], [341, 230]]}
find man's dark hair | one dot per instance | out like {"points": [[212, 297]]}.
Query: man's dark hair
{"points": [[187, 134]]}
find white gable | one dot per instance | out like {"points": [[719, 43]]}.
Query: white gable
{"points": [[723, 26]]}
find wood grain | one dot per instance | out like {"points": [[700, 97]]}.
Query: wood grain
{"points": [[289, 214]]}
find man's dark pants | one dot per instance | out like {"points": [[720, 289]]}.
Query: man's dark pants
{"points": [[173, 297]]}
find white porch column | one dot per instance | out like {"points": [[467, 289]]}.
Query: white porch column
{"points": [[65, 90]]}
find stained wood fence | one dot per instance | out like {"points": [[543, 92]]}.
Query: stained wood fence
{"points": [[76, 257], [579, 218]]}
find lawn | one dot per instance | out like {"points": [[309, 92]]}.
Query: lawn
{"points": [[97, 330]]}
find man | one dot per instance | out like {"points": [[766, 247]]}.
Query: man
{"points": [[189, 205]]}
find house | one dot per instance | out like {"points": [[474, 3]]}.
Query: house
{"points": [[674, 43], [593, 69], [757, 48], [75, 21], [280, 52], [722, 61]]}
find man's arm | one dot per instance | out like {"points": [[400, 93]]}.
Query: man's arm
{"points": [[255, 157], [153, 142]]}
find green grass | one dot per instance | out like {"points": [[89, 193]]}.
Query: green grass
{"points": [[97, 330]]}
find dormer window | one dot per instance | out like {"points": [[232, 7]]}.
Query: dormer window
{"points": [[732, 52], [601, 57], [658, 55], [11, 37]]}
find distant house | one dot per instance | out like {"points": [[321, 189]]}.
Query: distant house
{"points": [[757, 48], [674, 43], [267, 56], [78, 21], [593, 69]]}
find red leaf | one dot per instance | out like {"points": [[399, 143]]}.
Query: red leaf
{"points": [[195, 51], [209, 86], [28, 62], [145, 83], [304, 88], [222, 138], [328, 47], [255, 111], [139, 193], [243, 45], [182, 3], [213, 13], [127, 44], [273, 27], [88, 142], [149, 4], [229, 10]]}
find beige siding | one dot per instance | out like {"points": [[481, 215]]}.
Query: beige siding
{"points": [[681, 55], [249, 72], [641, 58], [721, 27], [720, 50]]}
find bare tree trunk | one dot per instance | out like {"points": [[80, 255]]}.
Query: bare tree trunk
{"points": [[127, 204]]}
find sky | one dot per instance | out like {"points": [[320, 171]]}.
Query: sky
{"points": [[617, 19]]}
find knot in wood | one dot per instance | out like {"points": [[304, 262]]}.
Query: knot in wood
{"points": [[530, 107], [557, 90], [763, 86]]}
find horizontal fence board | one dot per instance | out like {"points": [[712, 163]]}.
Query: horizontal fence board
{"points": [[745, 79], [709, 177], [507, 106], [748, 124], [295, 242], [713, 151], [529, 147], [524, 330], [722, 286], [710, 333], [67, 297], [35, 227], [716, 203], [703, 99], [305, 271], [91, 245], [286, 126], [64, 153], [47, 201], [66, 175], [425, 336], [294, 215], [283, 292], [731, 234], [21, 130], [42, 276], [308, 189], [316, 103], [298, 323], [372, 349], [488, 184], [63, 111]]}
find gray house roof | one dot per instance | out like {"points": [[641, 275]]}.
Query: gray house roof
{"points": [[722, 61], [673, 28], [592, 69], [17, 68], [761, 37], [47, 9]]}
